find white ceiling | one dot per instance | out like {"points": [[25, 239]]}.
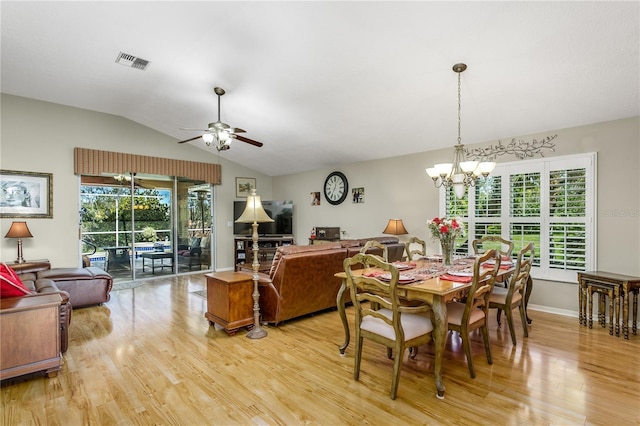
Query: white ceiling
{"points": [[328, 83]]}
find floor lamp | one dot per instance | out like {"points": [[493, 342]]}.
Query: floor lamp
{"points": [[254, 214]]}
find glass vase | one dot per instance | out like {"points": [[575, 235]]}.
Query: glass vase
{"points": [[447, 250]]}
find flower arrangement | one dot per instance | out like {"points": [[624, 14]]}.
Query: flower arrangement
{"points": [[446, 230]]}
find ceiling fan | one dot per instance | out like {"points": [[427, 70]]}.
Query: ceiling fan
{"points": [[221, 133]]}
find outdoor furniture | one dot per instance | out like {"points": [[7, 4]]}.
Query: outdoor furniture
{"points": [[117, 257], [157, 255]]}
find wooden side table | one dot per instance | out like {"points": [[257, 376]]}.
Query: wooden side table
{"points": [[30, 335], [229, 300]]}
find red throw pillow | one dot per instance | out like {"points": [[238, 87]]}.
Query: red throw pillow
{"points": [[10, 283]]}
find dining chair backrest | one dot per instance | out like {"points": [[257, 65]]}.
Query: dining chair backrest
{"points": [[391, 324], [413, 241], [482, 284], [504, 247], [376, 247], [524, 263]]}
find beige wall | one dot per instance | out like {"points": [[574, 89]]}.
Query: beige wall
{"points": [[40, 137], [399, 188]]}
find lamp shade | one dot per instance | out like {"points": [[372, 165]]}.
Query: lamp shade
{"points": [[395, 227], [253, 211], [19, 230]]}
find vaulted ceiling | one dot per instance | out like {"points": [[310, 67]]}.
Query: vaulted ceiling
{"points": [[327, 83]]}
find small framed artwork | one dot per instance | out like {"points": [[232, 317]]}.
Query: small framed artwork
{"points": [[244, 186], [358, 195], [315, 198], [26, 194]]}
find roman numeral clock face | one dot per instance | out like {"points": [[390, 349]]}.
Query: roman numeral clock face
{"points": [[336, 188]]}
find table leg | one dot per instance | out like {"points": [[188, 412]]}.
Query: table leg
{"points": [[143, 259], [440, 326], [590, 303], [611, 310], [616, 304], [343, 316], [634, 326], [625, 313]]}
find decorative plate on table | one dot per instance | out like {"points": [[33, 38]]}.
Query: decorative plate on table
{"points": [[403, 266], [402, 279], [460, 273]]}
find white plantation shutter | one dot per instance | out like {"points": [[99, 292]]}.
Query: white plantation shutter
{"points": [[550, 202]]}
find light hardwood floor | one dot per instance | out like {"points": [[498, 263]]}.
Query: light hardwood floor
{"points": [[150, 357]]}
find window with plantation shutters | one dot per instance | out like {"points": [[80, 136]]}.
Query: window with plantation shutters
{"points": [[548, 201]]}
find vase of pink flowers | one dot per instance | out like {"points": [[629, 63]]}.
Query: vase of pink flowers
{"points": [[446, 230]]}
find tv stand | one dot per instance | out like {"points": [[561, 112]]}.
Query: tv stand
{"points": [[267, 246]]}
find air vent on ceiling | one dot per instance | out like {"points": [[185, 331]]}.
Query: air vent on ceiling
{"points": [[132, 61]]}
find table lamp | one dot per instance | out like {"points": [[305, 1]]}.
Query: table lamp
{"points": [[395, 227], [19, 230], [254, 213]]}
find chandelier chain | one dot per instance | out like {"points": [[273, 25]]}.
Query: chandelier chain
{"points": [[459, 108]]}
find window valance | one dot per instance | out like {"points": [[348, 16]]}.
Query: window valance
{"points": [[94, 162]]}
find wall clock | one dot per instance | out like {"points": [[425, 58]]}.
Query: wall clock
{"points": [[336, 188]]}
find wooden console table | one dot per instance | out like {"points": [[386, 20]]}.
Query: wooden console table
{"points": [[619, 288], [30, 335], [230, 300]]}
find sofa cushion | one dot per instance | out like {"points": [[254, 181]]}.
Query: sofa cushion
{"points": [[10, 283]]}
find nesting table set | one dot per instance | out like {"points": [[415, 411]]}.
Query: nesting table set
{"points": [[619, 289]]}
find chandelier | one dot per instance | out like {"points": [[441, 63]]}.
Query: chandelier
{"points": [[460, 174]]}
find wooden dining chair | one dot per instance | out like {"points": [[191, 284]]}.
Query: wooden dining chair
{"points": [[464, 317], [505, 247], [422, 251], [393, 325], [512, 297]]}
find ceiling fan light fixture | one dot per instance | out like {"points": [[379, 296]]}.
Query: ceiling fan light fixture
{"points": [[207, 138]]}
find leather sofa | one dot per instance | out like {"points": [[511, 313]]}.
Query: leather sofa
{"points": [[301, 280], [85, 286]]}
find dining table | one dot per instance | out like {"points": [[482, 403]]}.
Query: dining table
{"points": [[431, 286]]}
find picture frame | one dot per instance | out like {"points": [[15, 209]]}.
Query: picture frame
{"points": [[244, 185], [26, 194]]}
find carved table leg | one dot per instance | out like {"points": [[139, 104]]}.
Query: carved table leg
{"points": [[590, 303], [615, 293], [440, 326], [343, 316]]}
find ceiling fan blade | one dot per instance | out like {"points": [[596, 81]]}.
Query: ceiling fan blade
{"points": [[237, 130], [192, 139], [249, 141]]}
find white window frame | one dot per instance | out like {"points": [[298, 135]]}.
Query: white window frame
{"points": [[544, 166]]}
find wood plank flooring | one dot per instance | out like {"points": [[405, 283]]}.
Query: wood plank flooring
{"points": [[150, 357]]}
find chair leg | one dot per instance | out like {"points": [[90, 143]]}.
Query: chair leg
{"points": [[357, 358], [413, 352], [523, 318], [464, 335], [397, 366], [390, 353], [509, 313], [487, 347], [498, 315]]}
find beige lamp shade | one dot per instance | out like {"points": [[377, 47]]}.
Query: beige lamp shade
{"points": [[19, 230], [395, 227], [253, 211]]}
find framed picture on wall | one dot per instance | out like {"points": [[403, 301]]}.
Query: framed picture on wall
{"points": [[244, 186], [26, 194]]}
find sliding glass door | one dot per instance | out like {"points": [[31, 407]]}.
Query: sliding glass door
{"points": [[142, 226]]}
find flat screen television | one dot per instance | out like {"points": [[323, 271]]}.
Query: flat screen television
{"points": [[280, 211]]}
